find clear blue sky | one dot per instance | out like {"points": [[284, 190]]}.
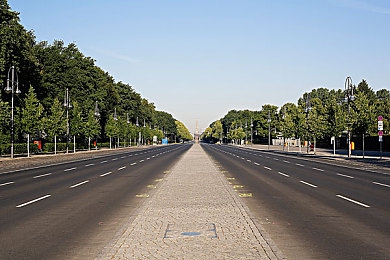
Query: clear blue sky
{"points": [[198, 59]]}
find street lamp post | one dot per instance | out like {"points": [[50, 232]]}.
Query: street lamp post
{"points": [[269, 128], [97, 114], [348, 98], [11, 84], [68, 106], [251, 131], [307, 110]]}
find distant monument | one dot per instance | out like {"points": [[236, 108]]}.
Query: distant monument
{"points": [[196, 135]]}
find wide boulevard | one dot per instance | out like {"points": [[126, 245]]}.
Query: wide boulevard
{"points": [[73, 209], [313, 208]]}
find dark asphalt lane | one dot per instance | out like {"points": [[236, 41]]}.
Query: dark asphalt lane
{"points": [[72, 210], [312, 209]]}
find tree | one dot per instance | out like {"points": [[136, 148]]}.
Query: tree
{"points": [[182, 131], [217, 130], [5, 116], [31, 115], [362, 114], [55, 124], [16, 48]]}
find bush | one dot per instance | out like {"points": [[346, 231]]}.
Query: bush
{"points": [[18, 148]]}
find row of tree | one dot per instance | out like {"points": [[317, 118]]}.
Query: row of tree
{"points": [[317, 116], [45, 71]]}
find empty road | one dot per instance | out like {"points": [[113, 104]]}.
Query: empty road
{"points": [[312, 208], [73, 209]]}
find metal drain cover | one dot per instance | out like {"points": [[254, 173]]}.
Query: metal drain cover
{"points": [[206, 230]]}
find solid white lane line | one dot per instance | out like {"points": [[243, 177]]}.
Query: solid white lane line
{"points": [[381, 184], [265, 167], [121, 168], [7, 183], [297, 164], [40, 176], [286, 175], [353, 201], [70, 169], [308, 184], [33, 201], [78, 184], [346, 176], [105, 174], [103, 161], [317, 169], [91, 164]]}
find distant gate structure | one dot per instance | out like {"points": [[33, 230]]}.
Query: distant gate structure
{"points": [[196, 135]]}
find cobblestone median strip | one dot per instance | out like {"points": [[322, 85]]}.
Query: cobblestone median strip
{"points": [[193, 214]]}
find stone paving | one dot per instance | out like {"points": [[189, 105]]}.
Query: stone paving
{"points": [[193, 214]]}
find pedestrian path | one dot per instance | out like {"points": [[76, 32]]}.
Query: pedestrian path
{"points": [[193, 214]]}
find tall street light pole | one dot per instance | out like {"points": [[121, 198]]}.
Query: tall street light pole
{"points": [[251, 131], [97, 115], [11, 84], [68, 106], [348, 98], [269, 128]]}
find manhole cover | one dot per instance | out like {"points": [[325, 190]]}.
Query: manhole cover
{"points": [[206, 230]]}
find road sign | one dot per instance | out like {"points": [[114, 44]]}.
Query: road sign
{"points": [[380, 125]]}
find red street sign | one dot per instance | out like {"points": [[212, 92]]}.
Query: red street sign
{"points": [[380, 133], [380, 118]]}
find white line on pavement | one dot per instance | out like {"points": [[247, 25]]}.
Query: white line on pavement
{"points": [[286, 161], [297, 164], [7, 183], [91, 164], [103, 161], [121, 168], [43, 175], [265, 167], [256, 163], [286, 175], [114, 159], [353, 201], [308, 184], [104, 174], [70, 169], [78, 184], [346, 176], [141, 160], [134, 163], [32, 201], [381, 184], [317, 169]]}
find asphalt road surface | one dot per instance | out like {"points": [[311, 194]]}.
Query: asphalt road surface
{"points": [[312, 208], [72, 210]]}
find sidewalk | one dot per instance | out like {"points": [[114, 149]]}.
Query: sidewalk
{"points": [[193, 214]]}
